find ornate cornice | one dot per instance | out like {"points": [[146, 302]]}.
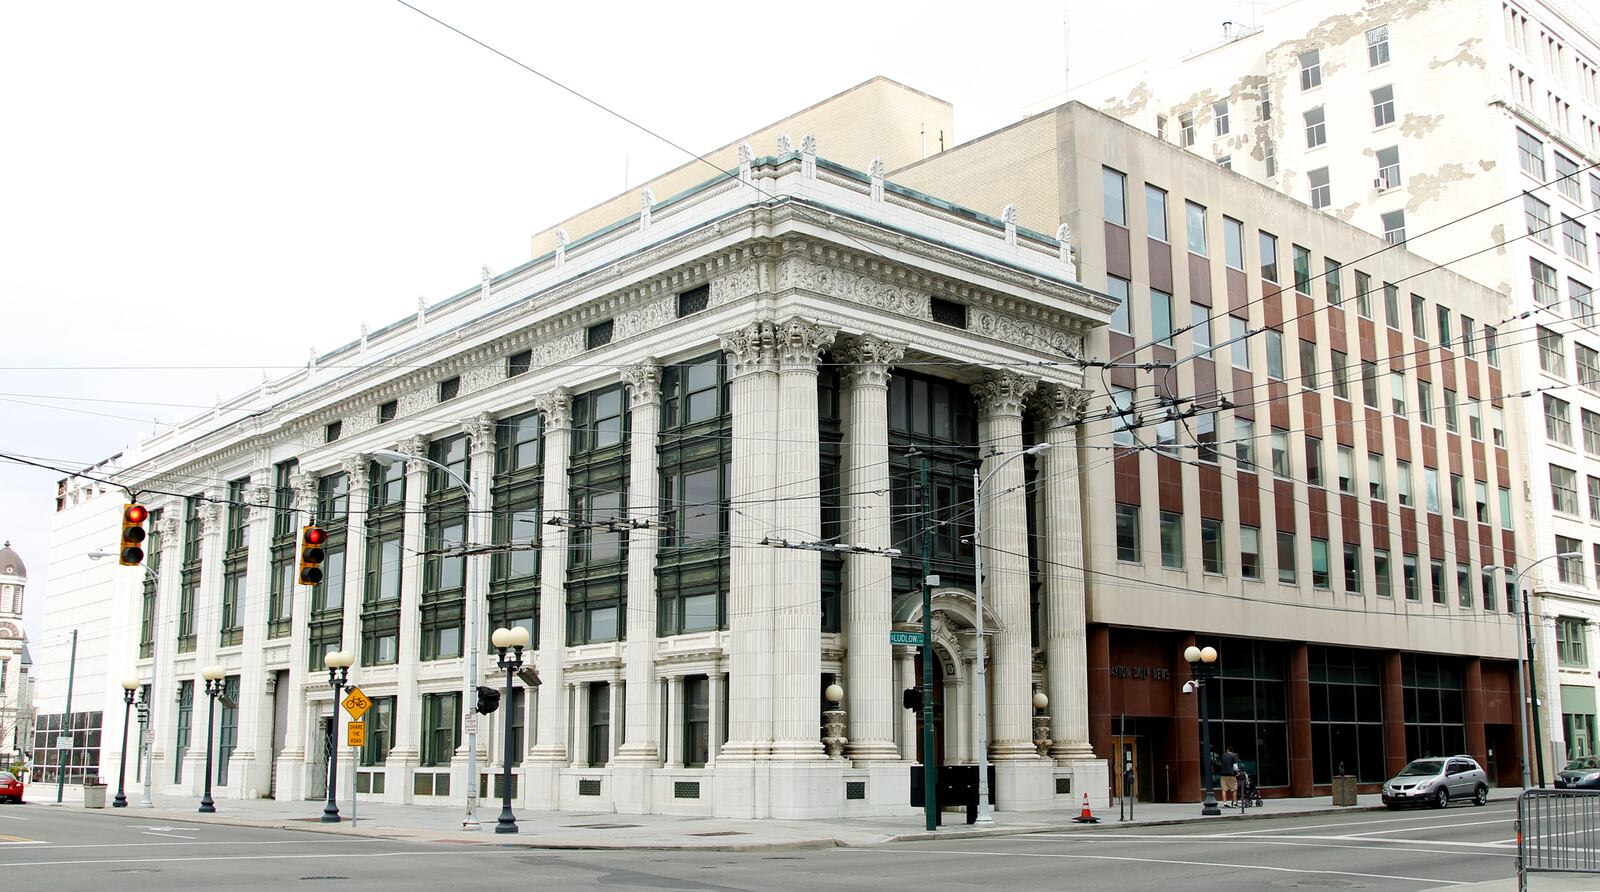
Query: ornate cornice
{"points": [[1003, 393], [644, 382]]}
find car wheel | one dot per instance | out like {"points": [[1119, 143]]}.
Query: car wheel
{"points": [[1442, 798], [1481, 796]]}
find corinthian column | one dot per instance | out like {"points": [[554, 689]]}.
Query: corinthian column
{"points": [[358, 467], [869, 668], [1065, 640], [1005, 561], [797, 617], [753, 394], [642, 714], [551, 745]]}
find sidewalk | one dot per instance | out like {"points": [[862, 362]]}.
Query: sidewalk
{"points": [[608, 830]]}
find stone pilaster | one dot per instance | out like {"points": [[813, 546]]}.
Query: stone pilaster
{"points": [[580, 725], [551, 742], [643, 712], [753, 392], [480, 430], [358, 468], [1064, 633], [406, 751], [164, 693], [292, 760], [250, 766], [869, 680], [1005, 563], [797, 617]]}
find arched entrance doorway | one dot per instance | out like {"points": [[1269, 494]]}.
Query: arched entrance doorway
{"points": [[955, 651]]}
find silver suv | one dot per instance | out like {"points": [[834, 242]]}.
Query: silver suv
{"points": [[1436, 782]]}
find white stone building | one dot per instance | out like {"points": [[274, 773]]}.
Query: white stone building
{"points": [[646, 415], [1459, 126], [16, 699]]}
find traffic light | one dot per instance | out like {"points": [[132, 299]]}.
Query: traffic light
{"points": [[312, 538], [488, 699], [911, 698], [133, 517]]}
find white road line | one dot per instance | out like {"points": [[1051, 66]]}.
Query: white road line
{"points": [[470, 852], [1173, 861], [157, 845], [167, 835], [1345, 824], [1319, 842], [1441, 826], [13, 817]]}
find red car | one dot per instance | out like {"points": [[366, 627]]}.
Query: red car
{"points": [[10, 787]]}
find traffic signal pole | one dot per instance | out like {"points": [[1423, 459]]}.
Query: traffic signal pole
{"points": [[930, 804]]}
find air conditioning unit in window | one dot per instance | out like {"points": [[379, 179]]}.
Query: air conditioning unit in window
{"points": [[1379, 184]]}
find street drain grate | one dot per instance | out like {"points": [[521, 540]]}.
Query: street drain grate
{"points": [[721, 833], [603, 826]]}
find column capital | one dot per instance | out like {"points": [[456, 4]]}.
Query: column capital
{"points": [[358, 465], [1061, 406], [869, 359], [800, 343], [753, 348], [259, 498], [480, 432], [210, 514], [643, 381], [167, 526], [1003, 393], [417, 448], [305, 491], [557, 408]]}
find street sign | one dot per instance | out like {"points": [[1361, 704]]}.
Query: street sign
{"points": [[356, 704], [356, 734], [913, 638], [472, 723], [149, 738], [64, 742]]}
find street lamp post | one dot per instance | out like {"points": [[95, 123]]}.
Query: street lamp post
{"points": [[129, 685], [515, 639], [985, 810], [213, 676], [338, 663], [1525, 651], [474, 574], [1202, 667], [148, 703]]}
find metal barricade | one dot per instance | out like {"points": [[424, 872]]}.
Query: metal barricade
{"points": [[1557, 831]]}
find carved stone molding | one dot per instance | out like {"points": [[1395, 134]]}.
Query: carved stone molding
{"points": [[167, 526], [305, 491], [259, 498], [557, 408], [210, 514], [643, 382], [1003, 393], [752, 348], [358, 466], [1059, 405], [480, 432], [800, 343], [869, 360], [417, 448]]}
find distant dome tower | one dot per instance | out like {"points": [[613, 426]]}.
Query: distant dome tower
{"points": [[13, 700]]}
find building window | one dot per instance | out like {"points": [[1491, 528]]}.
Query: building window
{"points": [[1186, 129], [1200, 328], [1378, 46], [1331, 284], [1469, 328], [1369, 384], [1321, 194], [1155, 212], [332, 431], [1237, 328], [1567, 182], [1569, 569], [1452, 418], [1302, 270], [1389, 168], [1574, 241], [1394, 227], [1474, 420], [1347, 470], [1233, 243], [1120, 321], [1321, 574], [1211, 544], [1397, 394], [1537, 216], [1316, 127], [1352, 568], [1161, 317], [1244, 435], [1268, 244], [380, 732], [1564, 491], [1275, 354], [1171, 540], [1375, 477], [1383, 106], [1282, 466], [441, 728], [1338, 367], [1308, 365], [1220, 111], [1530, 154], [1591, 432], [1491, 346], [1497, 425], [1409, 577], [1249, 552], [1391, 305], [599, 334], [519, 363], [1425, 401], [1264, 102], [1114, 185], [1122, 422], [1310, 69], [1194, 224], [696, 721], [1571, 648], [1588, 367], [1383, 581], [449, 389], [388, 411], [1580, 300], [1402, 483], [1458, 496], [1419, 317], [1269, 157], [1363, 295], [1205, 437], [694, 300], [1441, 586], [1552, 353], [1430, 489], [948, 312], [1287, 573], [1128, 533], [598, 739]]}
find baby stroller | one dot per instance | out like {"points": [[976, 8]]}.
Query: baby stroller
{"points": [[1249, 790]]}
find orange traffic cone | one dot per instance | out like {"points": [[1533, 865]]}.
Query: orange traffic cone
{"points": [[1085, 817]]}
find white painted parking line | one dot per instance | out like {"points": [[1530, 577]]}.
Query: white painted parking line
{"points": [[1222, 865]]}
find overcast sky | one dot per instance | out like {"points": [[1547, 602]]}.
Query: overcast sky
{"points": [[218, 187]]}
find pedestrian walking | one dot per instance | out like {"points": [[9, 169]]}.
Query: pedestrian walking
{"points": [[1230, 777]]}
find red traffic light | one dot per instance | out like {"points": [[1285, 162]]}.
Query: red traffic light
{"points": [[131, 552], [135, 514], [315, 535]]}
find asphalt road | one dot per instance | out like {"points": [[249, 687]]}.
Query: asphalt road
{"points": [[43, 848]]}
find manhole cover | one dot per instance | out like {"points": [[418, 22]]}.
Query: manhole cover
{"points": [[603, 826], [721, 833]]}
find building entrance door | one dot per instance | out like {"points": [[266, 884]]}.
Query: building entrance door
{"points": [[318, 786], [1128, 760], [938, 711]]}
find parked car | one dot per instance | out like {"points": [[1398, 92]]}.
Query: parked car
{"points": [[10, 787], [1436, 782], [1580, 774]]}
